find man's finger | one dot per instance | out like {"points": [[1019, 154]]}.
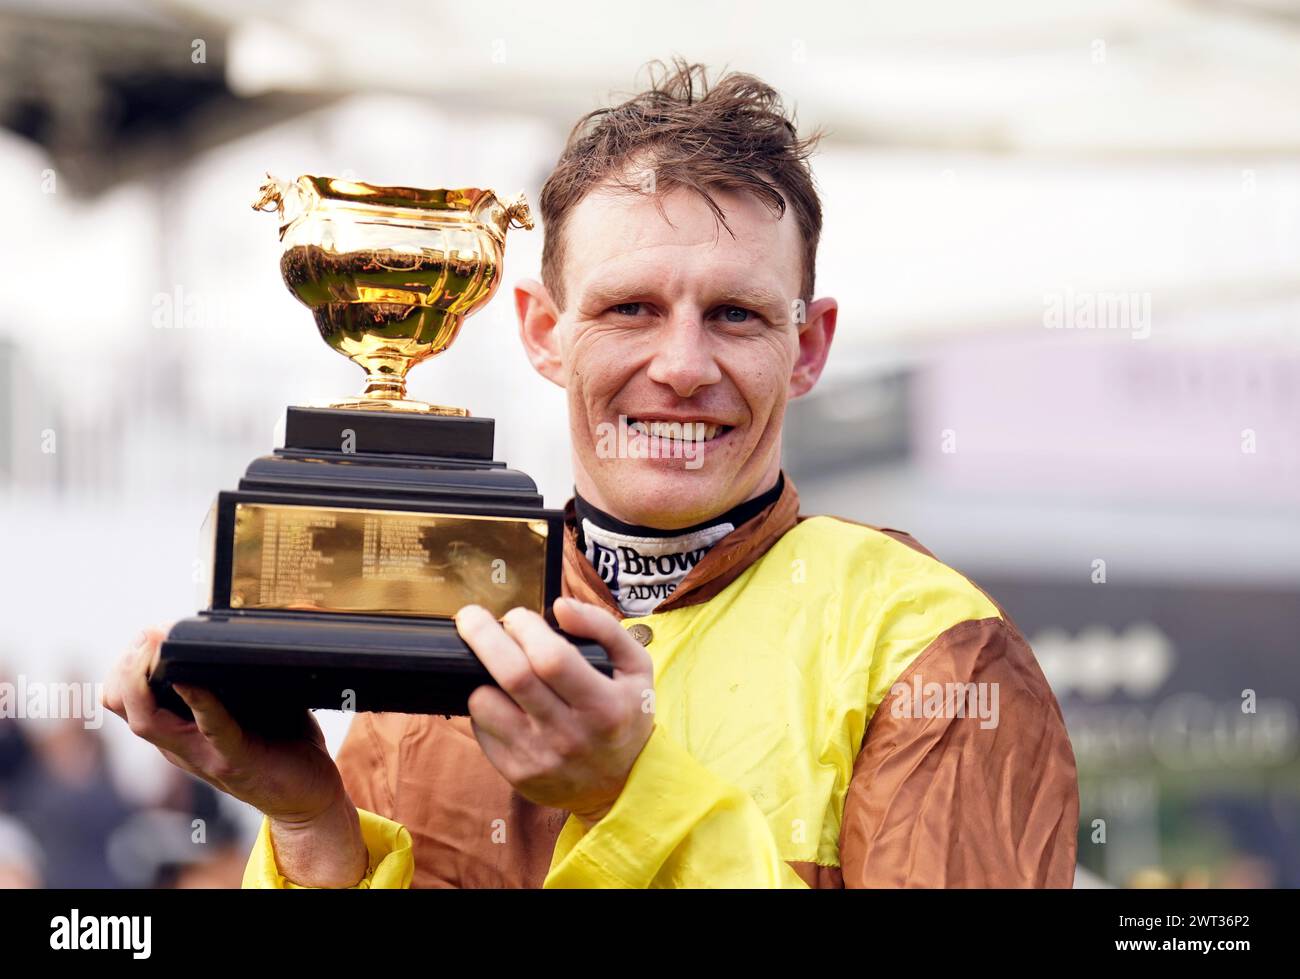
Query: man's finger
{"points": [[592, 622], [507, 663], [112, 696], [212, 719], [494, 748], [497, 714], [554, 659], [155, 724]]}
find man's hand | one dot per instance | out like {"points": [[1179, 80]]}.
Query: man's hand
{"points": [[314, 826], [560, 732]]}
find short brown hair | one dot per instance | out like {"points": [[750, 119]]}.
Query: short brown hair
{"points": [[734, 135]]}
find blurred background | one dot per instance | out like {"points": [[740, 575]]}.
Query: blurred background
{"points": [[1066, 243]]}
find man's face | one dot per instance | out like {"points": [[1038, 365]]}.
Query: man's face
{"points": [[679, 347]]}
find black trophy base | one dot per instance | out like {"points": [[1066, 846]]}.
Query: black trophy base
{"points": [[260, 664], [268, 663]]}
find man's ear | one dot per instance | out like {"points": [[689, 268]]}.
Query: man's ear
{"points": [[538, 319], [815, 335]]}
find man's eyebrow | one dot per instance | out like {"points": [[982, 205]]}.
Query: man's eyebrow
{"points": [[757, 298], [599, 295]]}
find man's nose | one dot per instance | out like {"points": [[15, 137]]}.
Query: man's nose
{"points": [[685, 359]]}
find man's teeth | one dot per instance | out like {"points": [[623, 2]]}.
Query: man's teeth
{"points": [[681, 431]]}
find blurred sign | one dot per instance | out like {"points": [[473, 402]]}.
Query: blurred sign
{"points": [[1181, 705]]}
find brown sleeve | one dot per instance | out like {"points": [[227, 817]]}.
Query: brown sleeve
{"points": [[366, 772], [468, 825], [951, 801]]}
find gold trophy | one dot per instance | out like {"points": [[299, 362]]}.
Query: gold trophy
{"points": [[390, 273], [338, 564]]}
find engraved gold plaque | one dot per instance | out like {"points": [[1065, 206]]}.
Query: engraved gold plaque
{"points": [[384, 562]]}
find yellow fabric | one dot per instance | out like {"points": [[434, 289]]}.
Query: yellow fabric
{"points": [[762, 698], [388, 843], [675, 825]]}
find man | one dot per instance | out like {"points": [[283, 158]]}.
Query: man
{"points": [[798, 701]]}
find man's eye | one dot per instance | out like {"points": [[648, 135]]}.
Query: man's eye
{"points": [[736, 314], [626, 309]]}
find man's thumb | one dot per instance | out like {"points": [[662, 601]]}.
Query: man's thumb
{"points": [[593, 622]]}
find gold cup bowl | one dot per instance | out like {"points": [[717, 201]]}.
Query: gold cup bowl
{"points": [[390, 273]]}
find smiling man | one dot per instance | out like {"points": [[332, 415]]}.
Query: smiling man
{"points": [[798, 700]]}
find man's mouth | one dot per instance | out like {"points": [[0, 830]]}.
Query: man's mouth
{"points": [[677, 430]]}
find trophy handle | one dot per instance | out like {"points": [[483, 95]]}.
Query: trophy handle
{"points": [[271, 196], [518, 213], [281, 196]]}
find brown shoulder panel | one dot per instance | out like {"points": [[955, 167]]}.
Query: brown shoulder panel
{"points": [[954, 801], [469, 827]]}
